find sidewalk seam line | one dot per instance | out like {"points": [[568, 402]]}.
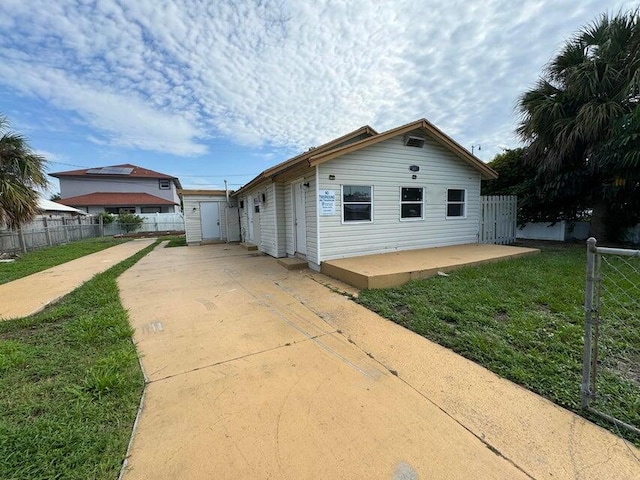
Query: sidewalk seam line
{"points": [[493, 449], [222, 362]]}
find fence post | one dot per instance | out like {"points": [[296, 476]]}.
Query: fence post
{"points": [[585, 390], [80, 227], [46, 230], [23, 242]]}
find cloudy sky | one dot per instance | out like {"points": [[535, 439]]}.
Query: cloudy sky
{"points": [[208, 90]]}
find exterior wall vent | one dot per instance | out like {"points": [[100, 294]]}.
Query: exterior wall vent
{"points": [[413, 141]]}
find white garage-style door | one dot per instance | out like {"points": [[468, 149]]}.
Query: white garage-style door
{"points": [[210, 220]]}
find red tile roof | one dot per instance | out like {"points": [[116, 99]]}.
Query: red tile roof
{"points": [[112, 199]]}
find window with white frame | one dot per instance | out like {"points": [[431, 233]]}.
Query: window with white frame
{"points": [[357, 203], [164, 184], [411, 203], [456, 202]]}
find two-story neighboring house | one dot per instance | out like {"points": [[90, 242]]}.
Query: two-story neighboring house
{"points": [[122, 188]]}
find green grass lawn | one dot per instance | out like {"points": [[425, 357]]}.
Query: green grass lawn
{"points": [[70, 385], [522, 319], [38, 260], [175, 241]]}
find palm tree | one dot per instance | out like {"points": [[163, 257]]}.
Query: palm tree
{"points": [[21, 173], [569, 118]]}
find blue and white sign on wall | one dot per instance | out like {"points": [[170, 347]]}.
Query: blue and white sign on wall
{"points": [[327, 201]]}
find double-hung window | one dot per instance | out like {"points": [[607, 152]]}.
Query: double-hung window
{"points": [[411, 203], [456, 203], [357, 203]]}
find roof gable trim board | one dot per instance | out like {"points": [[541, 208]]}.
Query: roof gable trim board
{"points": [[435, 133]]}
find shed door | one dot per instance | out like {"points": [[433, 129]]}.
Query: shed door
{"points": [[210, 220], [299, 218]]}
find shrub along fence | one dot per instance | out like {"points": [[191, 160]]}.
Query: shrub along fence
{"points": [[46, 231]]}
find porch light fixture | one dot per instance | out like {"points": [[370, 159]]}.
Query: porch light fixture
{"points": [[306, 184], [414, 168], [332, 177]]}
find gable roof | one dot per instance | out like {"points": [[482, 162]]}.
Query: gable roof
{"points": [[125, 170], [99, 199], [337, 147], [422, 124], [301, 159]]}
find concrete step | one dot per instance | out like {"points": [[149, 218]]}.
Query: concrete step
{"points": [[293, 263], [249, 246]]}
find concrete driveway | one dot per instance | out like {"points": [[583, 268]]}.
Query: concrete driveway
{"points": [[258, 372]]}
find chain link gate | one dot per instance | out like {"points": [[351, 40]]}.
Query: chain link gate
{"points": [[611, 360]]}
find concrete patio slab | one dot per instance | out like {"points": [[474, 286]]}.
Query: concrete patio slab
{"points": [[395, 268], [29, 295], [261, 372]]}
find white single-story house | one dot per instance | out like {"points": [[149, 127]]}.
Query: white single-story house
{"points": [[366, 192], [209, 216]]}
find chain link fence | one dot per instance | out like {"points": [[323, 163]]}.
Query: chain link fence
{"points": [[611, 362]]}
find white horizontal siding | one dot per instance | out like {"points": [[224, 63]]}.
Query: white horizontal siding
{"points": [[281, 226], [268, 221], [288, 220], [385, 166], [244, 219], [192, 221], [268, 231], [311, 219]]}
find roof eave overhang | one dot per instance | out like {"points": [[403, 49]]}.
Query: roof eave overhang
{"points": [[486, 172]]}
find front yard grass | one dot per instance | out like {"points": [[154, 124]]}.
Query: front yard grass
{"points": [[521, 318], [38, 260], [70, 385]]}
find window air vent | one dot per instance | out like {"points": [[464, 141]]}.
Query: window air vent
{"points": [[413, 141]]}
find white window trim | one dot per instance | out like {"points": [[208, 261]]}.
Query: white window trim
{"points": [[412, 219], [161, 181], [464, 204], [342, 202]]}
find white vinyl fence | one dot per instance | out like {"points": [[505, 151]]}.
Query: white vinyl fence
{"points": [[153, 222], [498, 219]]}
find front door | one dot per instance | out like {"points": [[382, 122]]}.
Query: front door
{"points": [[299, 218], [210, 220], [250, 218]]}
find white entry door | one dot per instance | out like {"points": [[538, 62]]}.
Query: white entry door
{"points": [[249, 207], [299, 217], [210, 220]]}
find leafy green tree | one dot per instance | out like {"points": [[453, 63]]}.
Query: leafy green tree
{"points": [[580, 122], [21, 174], [106, 218], [129, 222]]}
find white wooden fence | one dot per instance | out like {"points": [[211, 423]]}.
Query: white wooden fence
{"points": [[498, 219]]}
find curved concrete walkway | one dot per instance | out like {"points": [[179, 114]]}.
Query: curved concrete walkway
{"points": [[29, 295], [258, 372]]}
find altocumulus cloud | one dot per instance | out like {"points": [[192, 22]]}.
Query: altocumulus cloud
{"points": [[169, 75]]}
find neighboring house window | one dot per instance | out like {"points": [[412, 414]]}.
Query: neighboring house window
{"points": [[164, 184], [151, 210], [117, 210], [411, 203], [456, 199], [357, 203]]}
